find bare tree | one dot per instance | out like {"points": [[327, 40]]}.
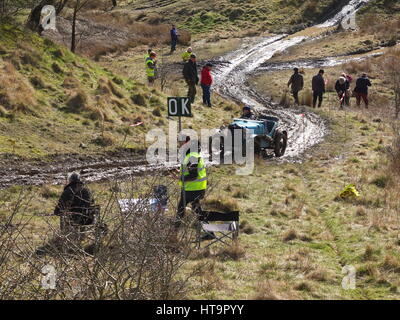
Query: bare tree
{"points": [[78, 5]]}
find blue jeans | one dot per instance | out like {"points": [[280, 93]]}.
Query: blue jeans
{"points": [[206, 94], [173, 44]]}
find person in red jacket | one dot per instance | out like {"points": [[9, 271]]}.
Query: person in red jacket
{"points": [[206, 82]]}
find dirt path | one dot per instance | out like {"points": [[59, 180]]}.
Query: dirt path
{"points": [[232, 72]]}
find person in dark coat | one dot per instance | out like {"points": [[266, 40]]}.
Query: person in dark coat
{"points": [[361, 89], [75, 203], [174, 38], [297, 83], [191, 77], [318, 87], [342, 87]]}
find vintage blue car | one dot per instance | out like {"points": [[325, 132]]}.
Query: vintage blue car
{"points": [[265, 132]]}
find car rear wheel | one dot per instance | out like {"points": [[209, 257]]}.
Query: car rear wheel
{"points": [[280, 143]]}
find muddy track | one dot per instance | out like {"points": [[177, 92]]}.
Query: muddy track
{"points": [[305, 129], [54, 171], [313, 63], [232, 73]]}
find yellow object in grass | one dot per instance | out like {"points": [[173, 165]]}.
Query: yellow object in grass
{"points": [[349, 191]]}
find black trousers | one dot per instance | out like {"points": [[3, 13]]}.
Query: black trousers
{"points": [[296, 97], [191, 90], [319, 96], [192, 197]]}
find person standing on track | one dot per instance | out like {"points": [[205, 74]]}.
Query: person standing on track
{"points": [[206, 82], [361, 89], [318, 88], [191, 77], [297, 83], [151, 68], [174, 38]]}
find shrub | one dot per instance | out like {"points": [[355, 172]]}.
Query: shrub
{"points": [[16, 93], [56, 68], [157, 112], [246, 228], [234, 251], [106, 140], [78, 101], [70, 83], [265, 292], [391, 264], [303, 286], [139, 99], [37, 82], [290, 235], [381, 181], [48, 192]]}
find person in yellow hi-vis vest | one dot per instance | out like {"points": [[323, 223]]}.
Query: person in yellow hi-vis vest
{"points": [[151, 68], [186, 55], [193, 180], [147, 55]]}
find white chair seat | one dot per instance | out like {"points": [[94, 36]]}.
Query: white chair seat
{"points": [[219, 227]]}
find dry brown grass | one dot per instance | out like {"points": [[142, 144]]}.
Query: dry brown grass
{"points": [[78, 101], [320, 275], [16, 93], [221, 204], [151, 32], [391, 264], [246, 228], [235, 251], [290, 235], [382, 30], [265, 291], [306, 98], [303, 286]]}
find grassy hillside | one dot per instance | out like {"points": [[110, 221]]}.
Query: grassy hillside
{"points": [[52, 101], [248, 16]]}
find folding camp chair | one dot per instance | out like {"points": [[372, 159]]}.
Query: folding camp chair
{"points": [[227, 226]]}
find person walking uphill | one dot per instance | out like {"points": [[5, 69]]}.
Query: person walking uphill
{"points": [[206, 82], [318, 88], [361, 89], [174, 38], [191, 77], [297, 83]]}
